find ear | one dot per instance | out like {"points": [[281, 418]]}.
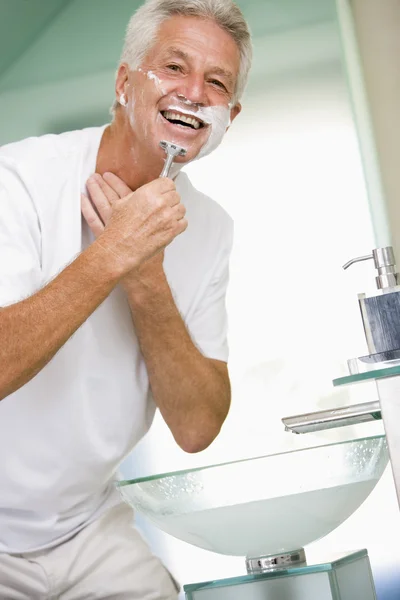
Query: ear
{"points": [[235, 110], [121, 82]]}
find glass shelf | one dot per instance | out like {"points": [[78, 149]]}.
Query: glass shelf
{"points": [[322, 567], [367, 376]]}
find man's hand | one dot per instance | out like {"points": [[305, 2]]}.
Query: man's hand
{"points": [[134, 226], [104, 192]]}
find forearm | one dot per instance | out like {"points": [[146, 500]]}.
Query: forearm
{"points": [[192, 393], [33, 330]]}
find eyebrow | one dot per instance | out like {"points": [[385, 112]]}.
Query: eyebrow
{"points": [[184, 56]]}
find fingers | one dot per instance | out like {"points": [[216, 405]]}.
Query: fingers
{"points": [[179, 212], [91, 217], [165, 184], [172, 198], [179, 216], [116, 184], [160, 192], [162, 185], [182, 225], [102, 196], [119, 187]]}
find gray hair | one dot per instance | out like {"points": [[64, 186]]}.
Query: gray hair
{"points": [[144, 24]]}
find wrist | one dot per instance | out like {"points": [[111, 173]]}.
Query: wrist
{"points": [[110, 263], [141, 291], [147, 280]]}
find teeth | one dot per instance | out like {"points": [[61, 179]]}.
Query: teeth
{"points": [[175, 117]]}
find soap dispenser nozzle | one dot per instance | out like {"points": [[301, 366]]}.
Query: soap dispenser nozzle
{"points": [[385, 264]]}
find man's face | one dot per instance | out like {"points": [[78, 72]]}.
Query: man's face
{"points": [[183, 90]]}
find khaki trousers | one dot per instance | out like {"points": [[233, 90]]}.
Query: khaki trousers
{"points": [[108, 559]]}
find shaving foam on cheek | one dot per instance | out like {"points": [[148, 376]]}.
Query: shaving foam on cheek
{"points": [[218, 119], [131, 105], [130, 108], [153, 77], [183, 100], [195, 113]]}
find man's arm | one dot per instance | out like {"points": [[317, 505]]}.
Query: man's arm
{"points": [[33, 330], [191, 391]]}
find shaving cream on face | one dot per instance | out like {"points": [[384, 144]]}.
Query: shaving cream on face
{"points": [[184, 100], [153, 77], [130, 108], [158, 84], [131, 104], [217, 118]]}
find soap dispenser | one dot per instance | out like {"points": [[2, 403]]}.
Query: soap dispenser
{"points": [[381, 312]]}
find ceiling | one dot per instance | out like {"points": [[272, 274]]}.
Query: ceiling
{"points": [[21, 22], [46, 40]]}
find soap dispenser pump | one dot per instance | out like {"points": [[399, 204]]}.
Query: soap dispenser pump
{"points": [[381, 313]]}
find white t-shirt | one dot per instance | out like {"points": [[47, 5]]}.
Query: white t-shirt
{"points": [[63, 434]]}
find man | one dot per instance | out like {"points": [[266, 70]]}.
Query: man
{"points": [[106, 318]]}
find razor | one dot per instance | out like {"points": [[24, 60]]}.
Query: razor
{"points": [[171, 150]]}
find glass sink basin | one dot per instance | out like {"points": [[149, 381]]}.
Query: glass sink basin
{"points": [[265, 505]]}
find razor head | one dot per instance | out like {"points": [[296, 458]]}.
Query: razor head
{"points": [[172, 149]]}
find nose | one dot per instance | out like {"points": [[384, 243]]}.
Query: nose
{"points": [[194, 89]]}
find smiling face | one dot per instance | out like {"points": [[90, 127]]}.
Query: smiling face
{"points": [[183, 90]]}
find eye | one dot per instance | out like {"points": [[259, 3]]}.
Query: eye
{"points": [[174, 67], [218, 84]]}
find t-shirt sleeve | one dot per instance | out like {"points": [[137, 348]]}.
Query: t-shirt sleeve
{"points": [[209, 325], [20, 245]]}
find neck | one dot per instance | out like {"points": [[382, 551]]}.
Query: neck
{"points": [[118, 154]]}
